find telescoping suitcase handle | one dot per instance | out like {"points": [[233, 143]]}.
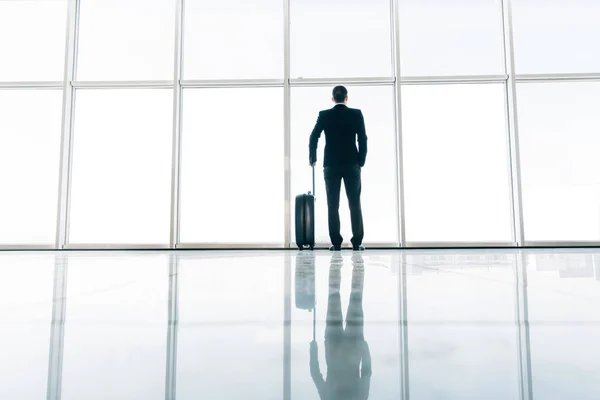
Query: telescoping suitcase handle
{"points": [[313, 168]]}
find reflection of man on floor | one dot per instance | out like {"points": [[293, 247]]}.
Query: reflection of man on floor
{"points": [[344, 348]]}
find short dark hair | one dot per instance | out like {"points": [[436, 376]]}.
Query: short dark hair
{"points": [[339, 94]]}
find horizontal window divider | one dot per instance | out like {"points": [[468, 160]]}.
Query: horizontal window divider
{"points": [[559, 243], [122, 84], [455, 245], [370, 245], [231, 83], [374, 81], [574, 77], [26, 247], [457, 79], [111, 246], [318, 246], [229, 246], [32, 85]]}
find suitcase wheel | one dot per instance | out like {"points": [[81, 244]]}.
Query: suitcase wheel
{"points": [[300, 248], [312, 248]]}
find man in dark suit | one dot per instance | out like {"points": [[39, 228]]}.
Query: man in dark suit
{"points": [[342, 160]]}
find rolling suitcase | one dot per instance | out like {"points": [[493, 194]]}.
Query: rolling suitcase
{"points": [[305, 218]]}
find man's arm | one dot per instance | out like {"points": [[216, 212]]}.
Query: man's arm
{"points": [[362, 140], [314, 140]]}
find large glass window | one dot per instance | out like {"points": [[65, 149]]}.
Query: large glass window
{"points": [[232, 166], [456, 165], [340, 38], [29, 165], [378, 175], [126, 40], [556, 36], [231, 324], [458, 37], [116, 331], [33, 40], [233, 39], [121, 166], [558, 132]]}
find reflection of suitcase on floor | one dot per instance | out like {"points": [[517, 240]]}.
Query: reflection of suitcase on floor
{"points": [[305, 218], [304, 291]]}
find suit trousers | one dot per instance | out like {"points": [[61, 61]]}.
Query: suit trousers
{"points": [[350, 174]]}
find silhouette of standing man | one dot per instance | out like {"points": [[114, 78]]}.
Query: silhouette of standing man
{"points": [[342, 160]]}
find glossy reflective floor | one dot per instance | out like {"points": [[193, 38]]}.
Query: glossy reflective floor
{"points": [[382, 325]]}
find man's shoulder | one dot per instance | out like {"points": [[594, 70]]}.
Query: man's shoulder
{"points": [[355, 110]]}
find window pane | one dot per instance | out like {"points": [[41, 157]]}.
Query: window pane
{"points": [[231, 325], [116, 330], [122, 166], [456, 163], [126, 40], [30, 127], [378, 196], [233, 39], [26, 283], [465, 346], [458, 37], [554, 36], [232, 166], [340, 38], [558, 132], [33, 36]]}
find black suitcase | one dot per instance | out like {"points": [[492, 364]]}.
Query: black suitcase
{"points": [[305, 218]]}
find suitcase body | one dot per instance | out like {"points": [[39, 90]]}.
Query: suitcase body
{"points": [[305, 218], [305, 221]]}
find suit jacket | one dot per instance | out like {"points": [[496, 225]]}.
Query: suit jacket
{"points": [[343, 126]]}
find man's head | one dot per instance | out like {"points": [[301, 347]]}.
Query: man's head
{"points": [[340, 95]]}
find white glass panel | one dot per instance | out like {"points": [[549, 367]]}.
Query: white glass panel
{"points": [[33, 36], [230, 343], [457, 37], [554, 36], [558, 130], [116, 331], [340, 38], [232, 166], [233, 39], [26, 283], [122, 166], [30, 124], [126, 40], [456, 165], [378, 196]]}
